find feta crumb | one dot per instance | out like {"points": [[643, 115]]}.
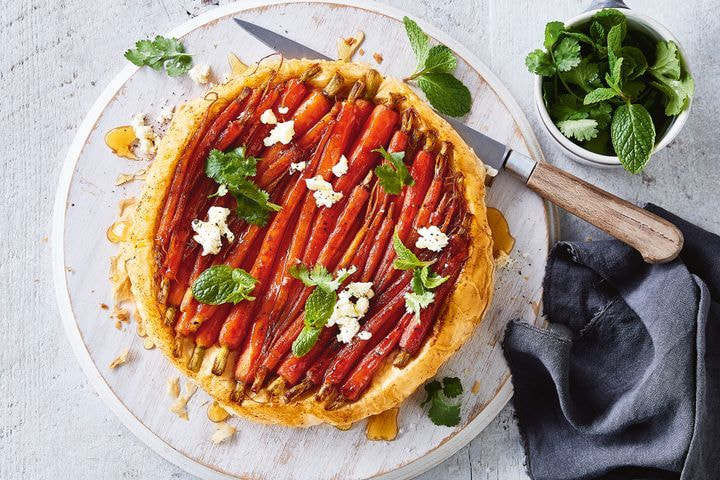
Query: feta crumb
{"points": [[340, 168], [347, 313], [200, 73], [145, 135], [166, 114], [283, 110], [222, 190], [210, 233], [297, 167], [223, 432], [282, 132], [268, 117], [431, 238], [323, 192]]}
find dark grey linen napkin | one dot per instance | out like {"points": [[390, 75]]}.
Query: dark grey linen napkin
{"points": [[625, 382]]}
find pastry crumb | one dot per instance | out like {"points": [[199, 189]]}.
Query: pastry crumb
{"points": [[124, 178], [148, 344], [173, 387], [179, 406], [504, 261], [378, 57], [223, 432], [120, 359], [348, 46]]}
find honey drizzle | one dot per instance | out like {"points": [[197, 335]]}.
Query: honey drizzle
{"points": [[120, 141], [383, 426], [503, 241]]}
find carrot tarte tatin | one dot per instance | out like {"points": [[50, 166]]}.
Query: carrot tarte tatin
{"points": [[311, 243]]}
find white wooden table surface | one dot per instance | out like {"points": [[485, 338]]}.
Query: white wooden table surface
{"points": [[56, 57]]}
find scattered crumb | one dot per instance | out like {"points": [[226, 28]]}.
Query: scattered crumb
{"points": [[44, 239], [536, 307], [361, 52], [223, 432], [525, 255], [504, 261], [121, 314], [166, 114], [119, 231], [179, 407], [148, 344], [104, 306], [120, 359], [124, 178], [378, 57], [588, 238], [348, 46], [173, 387], [475, 387], [69, 269], [118, 324]]}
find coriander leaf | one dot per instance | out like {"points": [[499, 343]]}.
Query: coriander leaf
{"points": [[419, 41], [567, 54], [600, 112], [600, 144], [583, 129], [598, 95], [405, 258], [393, 175], [677, 93], [161, 52], [580, 37], [440, 60], [444, 409], [567, 107], [667, 60], [585, 75], [232, 169], [223, 284], [452, 387], [305, 341], [540, 63], [553, 30], [318, 276], [609, 18], [633, 88], [633, 136], [446, 93], [415, 302]]}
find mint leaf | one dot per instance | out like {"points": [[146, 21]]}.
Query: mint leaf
{"points": [[633, 136], [598, 95], [405, 258], [614, 52], [583, 129], [609, 18], [232, 169], [423, 282], [419, 41], [305, 341], [440, 59], [446, 93], [677, 89], [161, 52], [567, 54], [223, 284], [635, 63], [444, 401], [553, 30], [540, 63], [319, 307], [667, 60], [393, 175], [428, 279]]}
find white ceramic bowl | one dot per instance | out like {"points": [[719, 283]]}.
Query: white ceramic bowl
{"points": [[654, 30]]}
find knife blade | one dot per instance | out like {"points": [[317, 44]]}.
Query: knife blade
{"points": [[655, 238]]}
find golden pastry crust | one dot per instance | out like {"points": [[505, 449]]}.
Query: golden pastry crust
{"points": [[390, 386]]}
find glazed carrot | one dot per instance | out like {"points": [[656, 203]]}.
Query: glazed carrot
{"points": [[293, 368], [206, 336], [378, 246], [235, 128]]}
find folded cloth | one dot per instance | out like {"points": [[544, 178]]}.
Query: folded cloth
{"points": [[625, 382]]}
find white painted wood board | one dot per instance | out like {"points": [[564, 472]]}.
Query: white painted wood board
{"points": [[86, 205]]}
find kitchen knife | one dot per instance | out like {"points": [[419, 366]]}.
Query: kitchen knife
{"points": [[656, 239]]}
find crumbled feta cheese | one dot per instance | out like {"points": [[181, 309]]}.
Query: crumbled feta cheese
{"points": [[222, 190], [166, 114], [341, 167], [283, 110], [210, 233], [145, 135], [268, 117], [323, 192], [297, 167], [431, 238], [347, 313], [200, 73], [282, 132]]}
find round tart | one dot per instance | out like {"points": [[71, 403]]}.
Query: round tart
{"points": [[311, 243]]}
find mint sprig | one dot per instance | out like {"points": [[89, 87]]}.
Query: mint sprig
{"points": [[223, 284], [601, 91], [434, 73], [444, 401], [167, 53], [232, 169], [393, 174]]}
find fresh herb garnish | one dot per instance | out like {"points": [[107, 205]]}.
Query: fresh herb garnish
{"points": [[232, 169], [223, 284], [424, 279], [167, 53], [444, 401], [393, 175], [433, 73], [602, 91], [320, 304]]}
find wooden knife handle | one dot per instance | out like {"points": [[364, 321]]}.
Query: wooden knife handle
{"points": [[656, 239]]}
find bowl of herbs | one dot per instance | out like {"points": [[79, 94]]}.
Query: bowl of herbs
{"points": [[612, 87]]}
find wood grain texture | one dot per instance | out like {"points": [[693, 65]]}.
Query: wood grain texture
{"points": [[59, 56], [657, 240]]}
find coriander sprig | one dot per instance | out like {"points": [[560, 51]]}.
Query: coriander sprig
{"points": [[444, 401], [610, 89], [434, 73], [167, 53]]}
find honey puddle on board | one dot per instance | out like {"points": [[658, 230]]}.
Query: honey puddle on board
{"points": [[503, 241], [383, 426], [120, 140]]}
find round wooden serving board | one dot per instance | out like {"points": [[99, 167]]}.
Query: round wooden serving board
{"points": [[86, 205]]}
